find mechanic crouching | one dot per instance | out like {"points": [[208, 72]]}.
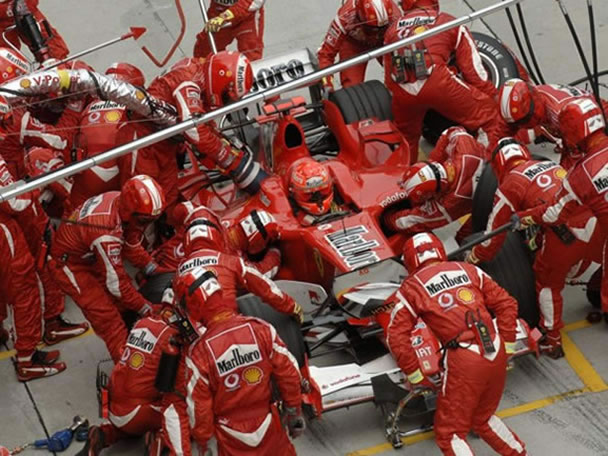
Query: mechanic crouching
{"points": [[87, 257], [522, 184], [147, 387], [229, 371], [441, 189], [455, 300]]}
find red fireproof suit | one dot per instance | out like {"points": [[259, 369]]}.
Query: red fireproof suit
{"points": [[526, 186], [586, 184], [18, 275], [348, 37], [442, 295], [463, 157], [233, 273], [87, 265], [467, 101], [229, 388], [98, 133], [57, 47], [247, 28], [136, 406]]}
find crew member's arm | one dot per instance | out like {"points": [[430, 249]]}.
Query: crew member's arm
{"points": [[470, 64], [419, 219], [199, 398], [285, 370]]}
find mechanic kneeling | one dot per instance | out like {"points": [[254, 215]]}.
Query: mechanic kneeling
{"points": [[229, 374], [455, 300]]}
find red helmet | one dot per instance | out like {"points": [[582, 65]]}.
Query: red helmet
{"points": [[518, 103], [12, 65], [411, 4], [203, 233], [508, 154], [423, 180], [580, 119], [127, 73], [186, 211], [199, 293], [375, 13], [311, 185], [141, 199], [41, 160], [229, 77], [420, 249]]}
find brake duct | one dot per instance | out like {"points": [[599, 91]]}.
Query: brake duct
{"points": [[159, 111]]}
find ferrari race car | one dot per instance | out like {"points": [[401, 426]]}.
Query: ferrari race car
{"points": [[341, 268]]}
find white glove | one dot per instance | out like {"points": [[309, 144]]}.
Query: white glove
{"points": [[168, 296]]}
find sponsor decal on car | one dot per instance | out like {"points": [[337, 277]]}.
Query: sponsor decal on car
{"points": [[445, 281], [394, 198], [352, 245], [142, 339]]}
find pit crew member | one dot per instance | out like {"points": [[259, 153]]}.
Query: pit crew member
{"points": [[22, 290], [98, 132], [455, 300], [136, 405], [524, 183], [358, 27], [525, 106], [583, 130], [419, 78], [196, 86], [204, 246], [242, 20], [86, 257], [53, 45], [229, 373], [441, 189]]}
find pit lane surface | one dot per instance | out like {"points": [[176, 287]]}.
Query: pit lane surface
{"points": [[557, 407]]}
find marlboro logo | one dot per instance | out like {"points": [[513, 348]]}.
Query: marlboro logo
{"points": [[142, 339], [446, 281], [234, 349]]}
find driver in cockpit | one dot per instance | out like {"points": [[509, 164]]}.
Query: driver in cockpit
{"points": [[311, 191]]}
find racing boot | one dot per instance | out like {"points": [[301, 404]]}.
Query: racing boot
{"points": [[57, 330], [551, 344], [38, 364], [95, 442]]}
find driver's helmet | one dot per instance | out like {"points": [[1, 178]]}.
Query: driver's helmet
{"points": [[229, 78], [421, 249], [142, 200], [311, 186], [375, 13]]}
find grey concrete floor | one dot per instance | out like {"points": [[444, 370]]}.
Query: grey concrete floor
{"points": [[572, 421]]}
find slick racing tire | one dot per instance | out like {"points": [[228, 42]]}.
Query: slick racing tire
{"points": [[483, 198], [154, 287], [500, 65], [512, 269], [594, 292], [363, 101], [287, 328]]}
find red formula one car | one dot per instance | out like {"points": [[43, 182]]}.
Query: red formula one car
{"points": [[342, 268]]}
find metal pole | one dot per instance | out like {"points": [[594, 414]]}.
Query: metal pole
{"points": [[469, 245], [21, 187], [135, 32], [596, 79], [201, 3]]}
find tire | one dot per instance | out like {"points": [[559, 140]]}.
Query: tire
{"points": [[512, 269], [483, 199], [500, 65], [594, 292], [363, 101], [154, 287], [287, 328]]}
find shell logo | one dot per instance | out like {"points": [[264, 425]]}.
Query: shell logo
{"points": [[136, 361], [561, 173], [465, 295], [253, 375], [25, 83], [139, 95], [112, 116]]}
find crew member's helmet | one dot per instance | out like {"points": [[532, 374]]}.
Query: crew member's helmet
{"points": [[421, 249]]}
